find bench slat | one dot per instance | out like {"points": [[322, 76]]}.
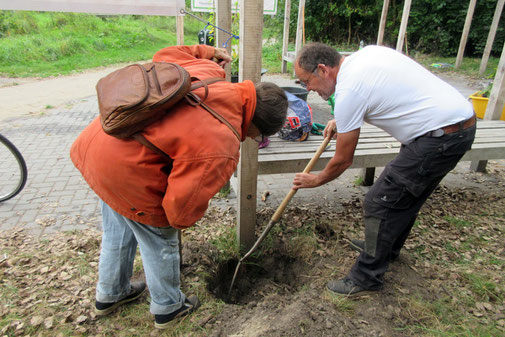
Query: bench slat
{"points": [[290, 147]]}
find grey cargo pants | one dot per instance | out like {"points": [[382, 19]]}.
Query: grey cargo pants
{"points": [[392, 204]]}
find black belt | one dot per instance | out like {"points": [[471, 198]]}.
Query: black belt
{"points": [[459, 126]]}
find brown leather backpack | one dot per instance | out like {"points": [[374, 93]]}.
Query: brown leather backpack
{"points": [[135, 96]]}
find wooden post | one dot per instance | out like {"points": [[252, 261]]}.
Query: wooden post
{"points": [[179, 27], [251, 30], [368, 175], [285, 36], [495, 104], [223, 20], [299, 28], [382, 25], [490, 37], [497, 98], [464, 36], [403, 25], [478, 166]]}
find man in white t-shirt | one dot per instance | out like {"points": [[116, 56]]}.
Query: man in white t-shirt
{"points": [[433, 121]]}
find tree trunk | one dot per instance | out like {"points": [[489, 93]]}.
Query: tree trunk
{"points": [[349, 33]]}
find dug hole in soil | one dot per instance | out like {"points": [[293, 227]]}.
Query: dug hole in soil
{"points": [[274, 268], [276, 265]]}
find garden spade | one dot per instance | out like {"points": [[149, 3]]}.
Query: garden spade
{"points": [[278, 213]]}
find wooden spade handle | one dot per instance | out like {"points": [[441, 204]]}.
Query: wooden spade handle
{"points": [[278, 213]]}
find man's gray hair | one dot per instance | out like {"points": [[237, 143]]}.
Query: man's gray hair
{"points": [[313, 54]]}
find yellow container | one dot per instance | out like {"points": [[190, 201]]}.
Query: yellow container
{"points": [[480, 105]]}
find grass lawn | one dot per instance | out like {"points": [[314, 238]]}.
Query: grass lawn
{"points": [[42, 44]]}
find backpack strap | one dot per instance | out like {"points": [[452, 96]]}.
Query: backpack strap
{"points": [[207, 81], [143, 140], [194, 100], [204, 83], [221, 118]]}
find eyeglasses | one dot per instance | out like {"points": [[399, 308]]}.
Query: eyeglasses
{"points": [[259, 139], [306, 82]]}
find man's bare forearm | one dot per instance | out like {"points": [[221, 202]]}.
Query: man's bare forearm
{"points": [[332, 171]]}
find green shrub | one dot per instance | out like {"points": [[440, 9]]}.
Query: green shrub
{"points": [[17, 23]]}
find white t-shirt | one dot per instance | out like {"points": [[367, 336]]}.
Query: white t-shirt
{"points": [[387, 89]]}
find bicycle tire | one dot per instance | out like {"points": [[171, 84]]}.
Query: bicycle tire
{"points": [[22, 167]]}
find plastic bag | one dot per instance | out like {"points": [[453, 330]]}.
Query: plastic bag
{"points": [[298, 121]]}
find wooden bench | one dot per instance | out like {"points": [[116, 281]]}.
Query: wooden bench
{"points": [[375, 149]]}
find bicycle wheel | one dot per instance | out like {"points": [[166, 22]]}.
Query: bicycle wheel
{"points": [[13, 172]]}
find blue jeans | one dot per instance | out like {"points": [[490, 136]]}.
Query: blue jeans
{"points": [[159, 248]]}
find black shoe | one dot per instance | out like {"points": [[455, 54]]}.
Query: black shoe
{"points": [[346, 286], [190, 304], [136, 289], [359, 246]]}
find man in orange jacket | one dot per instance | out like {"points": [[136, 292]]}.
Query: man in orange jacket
{"points": [[145, 200]]}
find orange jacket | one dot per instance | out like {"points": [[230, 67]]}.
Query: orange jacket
{"points": [[130, 178]]}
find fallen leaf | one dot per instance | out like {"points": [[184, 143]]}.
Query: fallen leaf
{"points": [[488, 306], [36, 320], [480, 306], [48, 322], [81, 319], [265, 195]]}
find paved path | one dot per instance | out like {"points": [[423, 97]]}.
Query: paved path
{"points": [[33, 97], [57, 199]]}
